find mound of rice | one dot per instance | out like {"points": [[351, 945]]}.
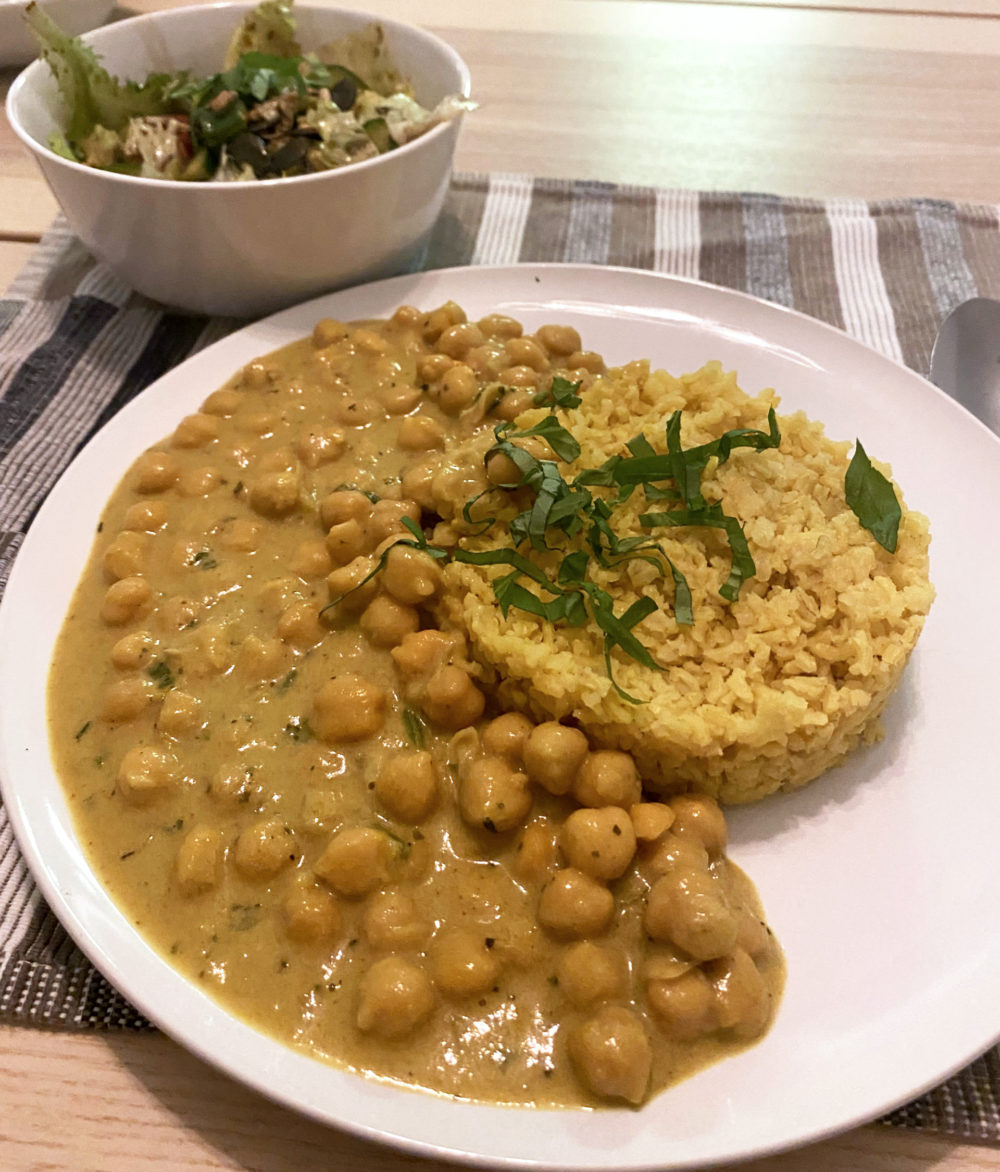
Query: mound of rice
{"points": [[759, 695]]}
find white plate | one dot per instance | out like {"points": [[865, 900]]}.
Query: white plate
{"points": [[880, 879]]}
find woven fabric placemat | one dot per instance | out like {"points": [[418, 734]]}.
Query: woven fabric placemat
{"points": [[76, 345]]}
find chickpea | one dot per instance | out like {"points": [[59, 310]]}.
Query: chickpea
{"points": [[422, 653], [255, 376], [558, 341], [195, 431], [451, 699], [408, 316], [396, 997], [299, 625], [689, 909], [348, 708], [432, 367], [198, 859], [352, 586], [608, 777], [199, 481], [346, 504], [651, 820], [684, 1006], [753, 936], [320, 446], [393, 923], [125, 600], [589, 973], [398, 398], [458, 389], [513, 404], [369, 342], [222, 402], [133, 651], [145, 774], [677, 854], [612, 1054], [230, 783], [125, 700], [179, 714], [526, 352], [742, 1001], [439, 320], [419, 433], [407, 786], [456, 341], [553, 755], [525, 378], [461, 963], [585, 360], [351, 411], [575, 906], [387, 519], [410, 575], [328, 331], [502, 471], [275, 494], [387, 622], [311, 912], [311, 560], [601, 842], [124, 556], [494, 795], [264, 848], [347, 540], [505, 736], [263, 658], [699, 817], [536, 856], [356, 861], [145, 516], [259, 423], [499, 325], [155, 472]]}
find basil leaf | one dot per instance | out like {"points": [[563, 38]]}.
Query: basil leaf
{"points": [[872, 499]]}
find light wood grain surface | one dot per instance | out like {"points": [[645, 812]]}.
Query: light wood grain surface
{"points": [[870, 98]]}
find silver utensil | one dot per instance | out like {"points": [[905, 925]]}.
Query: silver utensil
{"points": [[965, 361]]}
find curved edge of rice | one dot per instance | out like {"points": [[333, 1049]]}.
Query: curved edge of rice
{"points": [[760, 695]]}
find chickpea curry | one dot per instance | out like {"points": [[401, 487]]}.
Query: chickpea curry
{"points": [[299, 785]]}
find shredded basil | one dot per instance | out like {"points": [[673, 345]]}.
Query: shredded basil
{"points": [[872, 499]]}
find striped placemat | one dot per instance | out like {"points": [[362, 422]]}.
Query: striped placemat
{"points": [[76, 344]]}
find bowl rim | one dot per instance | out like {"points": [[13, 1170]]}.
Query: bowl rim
{"points": [[29, 75]]}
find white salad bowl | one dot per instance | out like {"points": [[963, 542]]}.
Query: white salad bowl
{"points": [[247, 248], [18, 46]]}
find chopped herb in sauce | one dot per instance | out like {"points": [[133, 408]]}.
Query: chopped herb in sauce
{"points": [[161, 675]]}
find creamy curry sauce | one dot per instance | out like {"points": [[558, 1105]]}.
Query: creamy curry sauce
{"points": [[306, 801]]}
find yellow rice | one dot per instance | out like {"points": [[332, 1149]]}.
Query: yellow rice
{"points": [[759, 695]]}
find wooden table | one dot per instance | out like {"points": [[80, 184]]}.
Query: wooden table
{"points": [[879, 98]]}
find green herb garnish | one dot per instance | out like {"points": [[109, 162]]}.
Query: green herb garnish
{"points": [[416, 728], [161, 675], [872, 499], [299, 729], [204, 560]]}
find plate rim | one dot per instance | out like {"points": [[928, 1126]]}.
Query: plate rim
{"points": [[49, 886]]}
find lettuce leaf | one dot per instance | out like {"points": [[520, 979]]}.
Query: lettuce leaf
{"points": [[92, 96], [270, 29]]}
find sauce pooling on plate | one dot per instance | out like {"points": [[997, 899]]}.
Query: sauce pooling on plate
{"points": [[300, 788]]}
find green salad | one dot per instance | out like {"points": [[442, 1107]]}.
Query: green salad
{"points": [[273, 111]]}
